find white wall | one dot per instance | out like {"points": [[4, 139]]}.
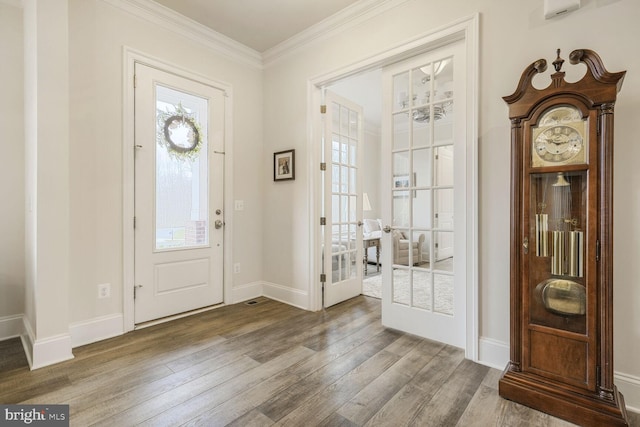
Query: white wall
{"points": [[93, 192], [512, 35], [12, 200], [271, 236], [98, 32]]}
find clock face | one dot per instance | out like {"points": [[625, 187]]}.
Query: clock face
{"points": [[560, 138]]}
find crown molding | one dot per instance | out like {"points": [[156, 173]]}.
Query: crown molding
{"points": [[341, 21], [157, 14]]}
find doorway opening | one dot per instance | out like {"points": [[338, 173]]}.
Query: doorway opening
{"points": [[465, 33]]}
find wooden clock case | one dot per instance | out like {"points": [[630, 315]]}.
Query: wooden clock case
{"points": [[562, 364]]}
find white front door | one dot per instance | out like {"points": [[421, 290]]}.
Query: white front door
{"points": [[179, 172], [424, 138], [342, 252]]}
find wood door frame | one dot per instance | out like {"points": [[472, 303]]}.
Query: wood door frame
{"points": [[130, 58], [466, 30]]}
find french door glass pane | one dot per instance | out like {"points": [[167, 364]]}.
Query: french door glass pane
{"points": [[422, 167], [422, 295], [423, 187], [422, 209], [344, 196], [400, 131], [182, 173], [443, 292]]}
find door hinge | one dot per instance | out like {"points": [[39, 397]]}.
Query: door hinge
{"points": [[323, 109], [323, 166], [323, 278], [436, 246], [135, 81], [134, 222], [436, 216], [135, 290], [597, 250], [323, 220]]}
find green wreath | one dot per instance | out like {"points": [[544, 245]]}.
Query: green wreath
{"points": [[186, 148]]}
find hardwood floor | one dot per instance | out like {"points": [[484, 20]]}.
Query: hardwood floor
{"points": [[268, 364]]}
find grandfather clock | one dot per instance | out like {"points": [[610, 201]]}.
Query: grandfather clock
{"points": [[562, 244]]}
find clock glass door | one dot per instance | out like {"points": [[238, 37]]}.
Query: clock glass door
{"points": [[559, 281]]}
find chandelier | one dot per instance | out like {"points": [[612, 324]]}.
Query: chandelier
{"points": [[428, 99]]}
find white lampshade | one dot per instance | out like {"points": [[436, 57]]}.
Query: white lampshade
{"points": [[366, 205]]}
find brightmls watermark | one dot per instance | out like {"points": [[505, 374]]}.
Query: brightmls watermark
{"points": [[34, 415]]}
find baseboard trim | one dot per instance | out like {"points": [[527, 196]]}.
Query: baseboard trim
{"points": [[246, 292], [493, 353], [11, 327], [294, 297], [629, 386], [97, 329], [46, 351]]}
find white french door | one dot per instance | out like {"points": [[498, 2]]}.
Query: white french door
{"points": [[179, 181], [342, 205], [424, 139]]}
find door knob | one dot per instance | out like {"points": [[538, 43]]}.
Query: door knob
{"points": [[386, 229], [218, 224]]}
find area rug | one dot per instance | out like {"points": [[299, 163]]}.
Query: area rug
{"points": [[422, 295]]}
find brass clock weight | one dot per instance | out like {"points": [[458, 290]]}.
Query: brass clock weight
{"points": [[561, 330]]}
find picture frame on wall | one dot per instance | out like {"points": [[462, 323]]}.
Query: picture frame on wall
{"points": [[401, 182], [284, 165]]}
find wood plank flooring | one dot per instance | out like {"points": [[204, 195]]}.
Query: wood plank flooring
{"points": [[268, 364]]}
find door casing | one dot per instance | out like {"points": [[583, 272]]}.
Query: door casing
{"points": [[467, 30], [130, 58]]}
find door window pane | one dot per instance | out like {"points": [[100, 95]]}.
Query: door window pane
{"points": [[401, 286], [422, 209], [422, 295], [182, 170], [423, 187], [422, 167], [400, 131], [443, 294]]}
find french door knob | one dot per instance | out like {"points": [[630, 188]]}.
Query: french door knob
{"points": [[218, 224], [386, 229]]}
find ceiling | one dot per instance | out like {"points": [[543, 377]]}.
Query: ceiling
{"points": [[258, 24]]}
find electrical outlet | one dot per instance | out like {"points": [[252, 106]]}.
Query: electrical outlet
{"points": [[104, 290], [236, 267]]}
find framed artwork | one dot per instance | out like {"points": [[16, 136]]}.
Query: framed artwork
{"points": [[401, 182], [284, 165]]}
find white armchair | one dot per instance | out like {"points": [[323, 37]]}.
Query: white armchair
{"points": [[401, 248]]}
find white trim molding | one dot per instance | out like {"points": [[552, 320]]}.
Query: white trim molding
{"points": [[156, 13], [339, 22], [629, 386], [246, 292], [11, 326], [47, 351], [97, 329], [493, 353], [295, 297]]}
